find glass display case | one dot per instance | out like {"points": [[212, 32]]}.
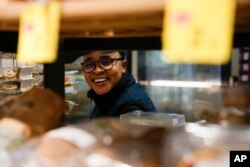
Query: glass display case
{"points": [[16, 77], [76, 92], [172, 87]]}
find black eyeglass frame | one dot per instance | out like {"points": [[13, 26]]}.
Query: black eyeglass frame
{"points": [[101, 65]]}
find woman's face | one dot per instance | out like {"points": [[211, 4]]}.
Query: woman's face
{"points": [[100, 80]]}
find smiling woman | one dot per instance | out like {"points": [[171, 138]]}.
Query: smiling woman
{"points": [[113, 90]]}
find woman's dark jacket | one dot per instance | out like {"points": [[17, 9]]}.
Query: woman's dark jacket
{"points": [[124, 97]]}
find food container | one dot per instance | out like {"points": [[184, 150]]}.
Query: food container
{"points": [[69, 82], [71, 105], [226, 105], [154, 118]]}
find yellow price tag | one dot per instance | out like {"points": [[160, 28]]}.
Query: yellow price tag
{"points": [[39, 33], [198, 31]]}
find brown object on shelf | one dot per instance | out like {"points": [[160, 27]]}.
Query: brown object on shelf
{"points": [[10, 85], [68, 84], [205, 110], [232, 106], [208, 115], [41, 109], [9, 74], [236, 106], [238, 96], [68, 80], [228, 116]]}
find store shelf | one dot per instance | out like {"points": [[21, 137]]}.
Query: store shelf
{"points": [[123, 24], [111, 18]]}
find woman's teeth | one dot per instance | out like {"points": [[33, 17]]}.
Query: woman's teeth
{"points": [[99, 80]]}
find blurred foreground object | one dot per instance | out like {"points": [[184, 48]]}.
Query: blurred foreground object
{"points": [[7, 1], [110, 142], [205, 145], [98, 143], [154, 119], [192, 34], [39, 32], [28, 115]]}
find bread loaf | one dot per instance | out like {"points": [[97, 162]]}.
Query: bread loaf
{"points": [[40, 108]]}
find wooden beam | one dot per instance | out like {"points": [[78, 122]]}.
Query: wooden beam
{"points": [[79, 17]]}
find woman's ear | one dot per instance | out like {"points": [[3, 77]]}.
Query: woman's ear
{"points": [[124, 66]]}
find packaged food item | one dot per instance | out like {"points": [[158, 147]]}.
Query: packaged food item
{"points": [[69, 82], [15, 80], [233, 106], [154, 118], [71, 105], [9, 74], [10, 85]]}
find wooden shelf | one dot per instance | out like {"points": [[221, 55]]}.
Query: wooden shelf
{"points": [[110, 18]]}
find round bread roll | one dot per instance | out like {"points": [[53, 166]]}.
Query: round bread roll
{"points": [[9, 86], [68, 81], [68, 84], [41, 109], [9, 74]]}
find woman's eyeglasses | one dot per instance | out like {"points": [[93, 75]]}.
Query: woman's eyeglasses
{"points": [[104, 63]]}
